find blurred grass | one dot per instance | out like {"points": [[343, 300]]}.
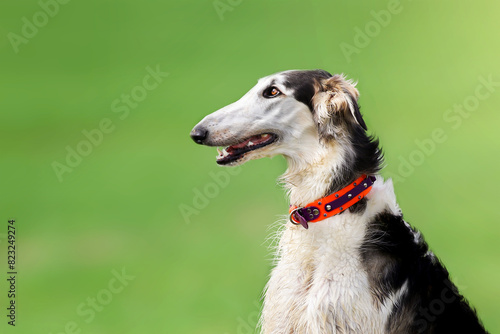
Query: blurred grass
{"points": [[120, 206]]}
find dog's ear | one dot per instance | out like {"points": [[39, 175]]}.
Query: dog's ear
{"points": [[335, 106]]}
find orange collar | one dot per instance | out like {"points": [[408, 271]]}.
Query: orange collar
{"points": [[332, 204]]}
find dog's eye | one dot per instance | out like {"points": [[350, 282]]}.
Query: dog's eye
{"points": [[271, 92]]}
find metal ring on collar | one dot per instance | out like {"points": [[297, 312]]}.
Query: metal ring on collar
{"points": [[291, 217]]}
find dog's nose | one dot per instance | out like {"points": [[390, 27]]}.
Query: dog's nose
{"points": [[199, 134]]}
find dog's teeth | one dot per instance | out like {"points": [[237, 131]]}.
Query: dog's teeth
{"points": [[249, 143], [219, 151], [224, 153]]}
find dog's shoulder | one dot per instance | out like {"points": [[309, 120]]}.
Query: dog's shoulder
{"points": [[399, 263]]}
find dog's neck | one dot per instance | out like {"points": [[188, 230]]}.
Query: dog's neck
{"points": [[322, 167], [315, 175]]}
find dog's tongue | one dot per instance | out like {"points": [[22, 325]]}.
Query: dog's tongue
{"points": [[250, 142]]}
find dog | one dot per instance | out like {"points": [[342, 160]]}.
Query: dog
{"points": [[347, 261]]}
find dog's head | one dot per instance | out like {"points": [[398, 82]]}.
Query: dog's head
{"points": [[290, 113]]}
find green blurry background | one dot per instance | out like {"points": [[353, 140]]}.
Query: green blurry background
{"points": [[121, 207]]}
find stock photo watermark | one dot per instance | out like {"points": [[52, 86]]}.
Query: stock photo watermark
{"points": [[223, 6], [31, 26], [203, 195], [87, 310], [437, 306], [12, 271], [121, 106], [363, 37], [454, 118], [249, 324]]}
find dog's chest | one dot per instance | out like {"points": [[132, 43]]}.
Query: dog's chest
{"points": [[320, 285]]}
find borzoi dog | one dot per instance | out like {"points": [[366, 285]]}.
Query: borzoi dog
{"points": [[347, 262]]}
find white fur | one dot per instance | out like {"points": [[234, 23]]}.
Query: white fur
{"points": [[319, 284]]}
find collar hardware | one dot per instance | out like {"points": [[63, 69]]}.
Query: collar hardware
{"points": [[332, 204]]}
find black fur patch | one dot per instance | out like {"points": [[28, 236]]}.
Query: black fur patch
{"points": [[357, 113], [302, 83], [367, 158], [359, 207], [432, 303]]}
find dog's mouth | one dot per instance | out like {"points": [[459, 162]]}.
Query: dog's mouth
{"points": [[237, 151]]}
